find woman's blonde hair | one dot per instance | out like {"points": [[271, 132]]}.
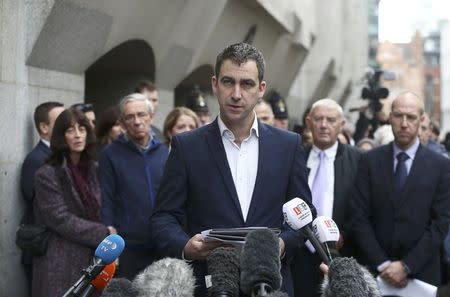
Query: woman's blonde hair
{"points": [[172, 118]]}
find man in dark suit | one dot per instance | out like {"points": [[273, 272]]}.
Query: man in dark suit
{"points": [[401, 202], [332, 173], [234, 172], [45, 115]]}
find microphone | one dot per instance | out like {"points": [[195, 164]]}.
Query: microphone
{"points": [[297, 215], [120, 287], [223, 270], [100, 282], [277, 294], [260, 263], [347, 278], [326, 230], [107, 251], [167, 277], [104, 277]]}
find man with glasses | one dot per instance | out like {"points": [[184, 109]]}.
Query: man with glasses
{"points": [[332, 171], [401, 202], [130, 170], [149, 89]]}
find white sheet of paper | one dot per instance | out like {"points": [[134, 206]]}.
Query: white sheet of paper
{"points": [[414, 288]]}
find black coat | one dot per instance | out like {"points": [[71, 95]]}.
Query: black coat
{"points": [[410, 227], [305, 267]]}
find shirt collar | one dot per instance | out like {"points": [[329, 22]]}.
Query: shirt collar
{"points": [[46, 142], [329, 152], [140, 147], [225, 131], [411, 152]]}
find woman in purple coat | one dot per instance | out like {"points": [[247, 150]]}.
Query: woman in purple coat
{"points": [[67, 201]]}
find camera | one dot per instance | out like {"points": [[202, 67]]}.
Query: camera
{"points": [[374, 92]]}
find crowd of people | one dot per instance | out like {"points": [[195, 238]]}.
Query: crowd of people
{"points": [[89, 177]]}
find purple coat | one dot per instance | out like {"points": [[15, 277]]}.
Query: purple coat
{"points": [[73, 237]]}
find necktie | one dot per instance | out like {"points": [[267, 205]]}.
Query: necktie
{"points": [[400, 172], [319, 184], [318, 190]]}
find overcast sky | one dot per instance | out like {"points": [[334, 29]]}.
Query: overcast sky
{"points": [[399, 19]]}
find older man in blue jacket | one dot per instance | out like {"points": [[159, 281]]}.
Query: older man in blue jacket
{"points": [[130, 173]]}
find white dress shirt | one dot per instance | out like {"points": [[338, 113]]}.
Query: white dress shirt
{"points": [[313, 165], [46, 142], [411, 152], [243, 162]]}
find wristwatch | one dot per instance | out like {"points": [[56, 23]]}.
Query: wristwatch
{"points": [[406, 268]]}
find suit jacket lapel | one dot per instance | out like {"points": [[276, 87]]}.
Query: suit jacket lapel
{"points": [[386, 168], [264, 165], [45, 149], [217, 149], [338, 176], [307, 152]]}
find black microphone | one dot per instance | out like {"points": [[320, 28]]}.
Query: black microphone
{"points": [[347, 278], [101, 281], [298, 215], [277, 294], [260, 263], [223, 270], [167, 277], [120, 287]]}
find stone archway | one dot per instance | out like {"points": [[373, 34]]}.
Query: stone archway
{"points": [[117, 73]]}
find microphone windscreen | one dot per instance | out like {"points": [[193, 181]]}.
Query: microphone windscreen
{"points": [[223, 266], [277, 294], [167, 277], [110, 248], [260, 260], [347, 278], [120, 287]]}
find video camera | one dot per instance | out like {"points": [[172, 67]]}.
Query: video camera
{"points": [[374, 92]]}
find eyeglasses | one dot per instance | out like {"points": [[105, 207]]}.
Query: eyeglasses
{"points": [[84, 107], [129, 118]]}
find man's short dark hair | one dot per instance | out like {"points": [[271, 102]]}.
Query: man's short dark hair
{"points": [[240, 53], [435, 127], [145, 86], [84, 107], [41, 112]]}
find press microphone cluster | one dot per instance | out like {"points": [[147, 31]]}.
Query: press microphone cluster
{"points": [[347, 278], [327, 232], [223, 272], [120, 287], [99, 283], [298, 216], [260, 263], [107, 252], [167, 277]]}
